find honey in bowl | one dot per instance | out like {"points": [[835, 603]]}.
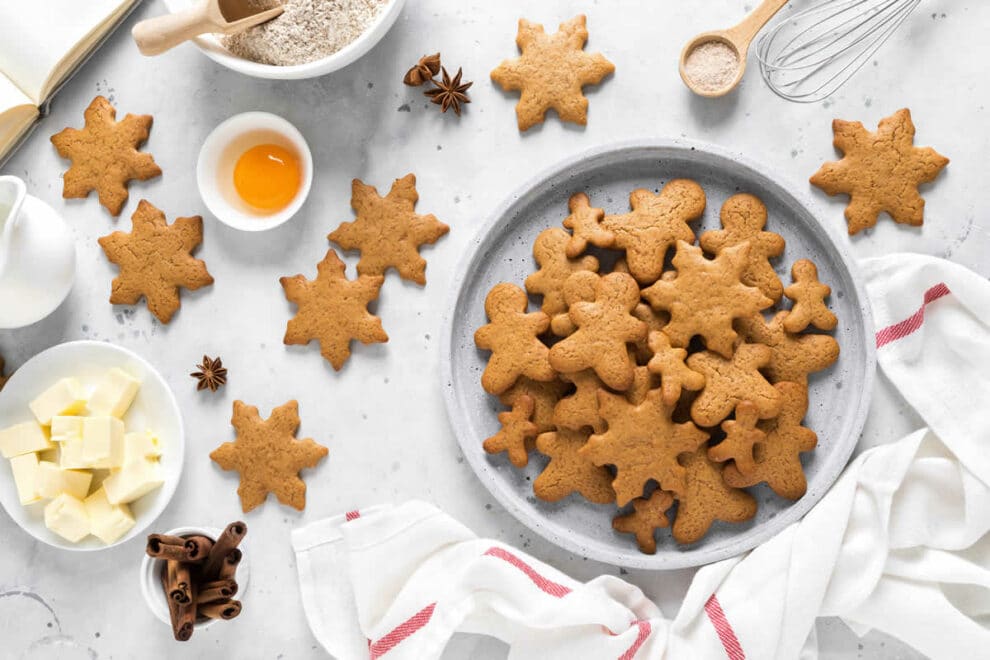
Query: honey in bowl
{"points": [[267, 177]]}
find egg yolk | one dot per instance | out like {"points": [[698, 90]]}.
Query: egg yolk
{"points": [[267, 177]]}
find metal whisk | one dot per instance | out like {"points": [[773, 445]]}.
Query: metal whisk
{"points": [[808, 56]]}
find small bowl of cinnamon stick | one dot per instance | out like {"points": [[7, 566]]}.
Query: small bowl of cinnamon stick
{"points": [[192, 577]]}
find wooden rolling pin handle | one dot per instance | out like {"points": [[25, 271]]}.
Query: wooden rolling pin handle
{"points": [[157, 35]]}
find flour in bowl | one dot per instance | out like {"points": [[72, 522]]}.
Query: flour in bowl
{"points": [[307, 30]]}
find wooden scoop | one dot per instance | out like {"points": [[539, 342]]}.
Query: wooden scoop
{"points": [[736, 38], [157, 35]]}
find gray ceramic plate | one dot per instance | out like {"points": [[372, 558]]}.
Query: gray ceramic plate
{"points": [[502, 251]]}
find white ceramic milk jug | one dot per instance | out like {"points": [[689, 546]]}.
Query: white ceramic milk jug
{"points": [[37, 256]]}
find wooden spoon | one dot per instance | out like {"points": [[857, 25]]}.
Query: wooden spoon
{"points": [[157, 35], [737, 39]]}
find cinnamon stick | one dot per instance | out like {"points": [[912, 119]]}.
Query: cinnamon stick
{"points": [[228, 569], [211, 592], [178, 582], [197, 548], [228, 540], [161, 546], [221, 610], [183, 616]]}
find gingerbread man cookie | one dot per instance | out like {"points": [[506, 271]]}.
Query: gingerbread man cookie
{"points": [[512, 337], [585, 223], [792, 357], [579, 287], [808, 296], [880, 171], [741, 438], [728, 382], [777, 460], [517, 428], [743, 218], [655, 224], [604, 327], [551, 72], [570, 471], [545, 397], [668, 363], [580, 409], [549, 250], [706, 296], [643, 443], [648, 516], [707, 498]]}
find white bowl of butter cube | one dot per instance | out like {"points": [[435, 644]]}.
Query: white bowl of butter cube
{"points": [[91, 445]]}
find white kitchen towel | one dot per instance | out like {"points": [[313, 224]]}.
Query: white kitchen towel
{"points": [[898, 544]]}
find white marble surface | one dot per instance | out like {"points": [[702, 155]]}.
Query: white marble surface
{"points": [[382, 416]]}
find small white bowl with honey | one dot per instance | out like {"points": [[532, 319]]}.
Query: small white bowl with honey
{"points": [[254, 171]]}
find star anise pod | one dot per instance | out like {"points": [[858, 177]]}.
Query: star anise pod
{"points": [[211, 374], [427, 67], [449, 93]]}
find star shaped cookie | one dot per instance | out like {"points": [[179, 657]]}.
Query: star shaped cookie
{"points": [[155, 260], [333, 310], [655, 224], [706, 296], [387, 230], [880, 171], [643, 443], [268, 456], [570, 471], [104, 155], [551, 72]]}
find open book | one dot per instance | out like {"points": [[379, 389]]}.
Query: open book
{"points": [[42, 43]]}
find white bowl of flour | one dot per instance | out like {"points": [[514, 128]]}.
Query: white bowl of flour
{"points": [[310, 39]]}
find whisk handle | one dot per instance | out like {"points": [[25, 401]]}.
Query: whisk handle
{"points": [[743, 33]]}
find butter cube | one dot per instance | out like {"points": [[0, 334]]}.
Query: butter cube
{"points": [[133, 480], [114, 394], [103, 442], [66, 516], [108, 522], [66, 397], [25, 468], [70, 456], [138, 446], [66, 428], [52, 481], [23, 439]]}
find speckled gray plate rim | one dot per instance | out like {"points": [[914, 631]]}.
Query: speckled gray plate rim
{"points": [[502, 251]]}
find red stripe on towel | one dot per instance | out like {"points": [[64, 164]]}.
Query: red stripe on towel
{"points": [[910, 324], [549, 586], [352, 515], [403, 631], [644, 631], [726, 635]]}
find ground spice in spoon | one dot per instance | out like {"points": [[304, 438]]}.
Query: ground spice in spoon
{"points": [[712, 66], [307, 30]]}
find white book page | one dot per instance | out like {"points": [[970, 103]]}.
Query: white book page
{"points": [[40, 39], [17, 112]]}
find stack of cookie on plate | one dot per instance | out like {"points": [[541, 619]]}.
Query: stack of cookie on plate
{"points": [[669, 384]]}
